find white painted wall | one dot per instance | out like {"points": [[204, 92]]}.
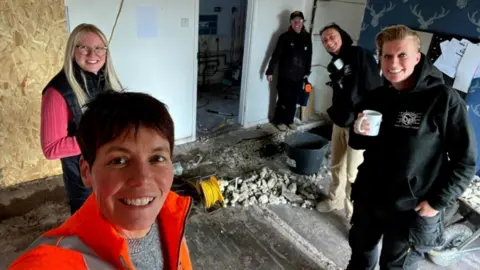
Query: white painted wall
{"points": [[269, 19], [162, 66], [347, 14]]}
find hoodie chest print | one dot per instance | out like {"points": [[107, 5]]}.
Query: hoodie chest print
{"points": [[408, 119], [347, 70]]}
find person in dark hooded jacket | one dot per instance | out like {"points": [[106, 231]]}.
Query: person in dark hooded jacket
{"points": [[421, 161], [293, 54], [353, 72]]}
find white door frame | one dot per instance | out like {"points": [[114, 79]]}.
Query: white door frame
{"points": [[251, 5], [196, 18]]}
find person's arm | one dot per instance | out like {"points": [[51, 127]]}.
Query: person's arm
{"points": [[277, 53], [54, 140], [49, 257], [461, 147]]}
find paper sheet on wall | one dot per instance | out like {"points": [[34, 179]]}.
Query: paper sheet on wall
{"points": [[452, 52], [147, 22], [467, 68]]}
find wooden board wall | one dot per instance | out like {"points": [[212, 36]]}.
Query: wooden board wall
{"points": [[32, 40]]}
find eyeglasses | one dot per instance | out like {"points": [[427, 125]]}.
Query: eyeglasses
{"points": [[84, 50]]}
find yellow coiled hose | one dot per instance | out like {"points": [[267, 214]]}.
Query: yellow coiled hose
{"points": [[210, 189]]}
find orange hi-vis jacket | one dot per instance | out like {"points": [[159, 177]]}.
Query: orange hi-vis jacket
{"points": [[87, 241]]}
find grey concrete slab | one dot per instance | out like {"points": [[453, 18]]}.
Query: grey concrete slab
{"points": [[328, 233], [239, 238]]}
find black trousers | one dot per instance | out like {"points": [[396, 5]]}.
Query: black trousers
{"points": [[288, 93], [77, 192], [406, 237]]}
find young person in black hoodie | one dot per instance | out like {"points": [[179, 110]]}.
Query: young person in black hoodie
{"points": [[353, 72], [421, 161], [293, 54]]}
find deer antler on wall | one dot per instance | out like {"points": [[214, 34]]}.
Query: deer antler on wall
{"points": [[364, 26], [424, 24], [461, 4], [473, 20], [376, 16]]}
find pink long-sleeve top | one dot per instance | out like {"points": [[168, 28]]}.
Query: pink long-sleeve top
{"points": [[55, 116]]}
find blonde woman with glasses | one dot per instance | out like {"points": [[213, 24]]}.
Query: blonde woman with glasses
{"points": [[87, 71]]}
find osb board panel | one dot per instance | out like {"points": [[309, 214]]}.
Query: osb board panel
{"points": [[32, 42]]}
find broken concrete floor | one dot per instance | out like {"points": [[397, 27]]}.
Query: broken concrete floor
{"points": [[279, 236]]}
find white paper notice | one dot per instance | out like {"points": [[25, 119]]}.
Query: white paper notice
{"points": [[147, 22], [467, 68], [452, 52]]}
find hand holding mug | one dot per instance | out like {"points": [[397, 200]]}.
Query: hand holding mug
{"points": [[361, 126], [368, 123]]}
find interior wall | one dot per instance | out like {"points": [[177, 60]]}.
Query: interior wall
{"points": [[154, 49], [225, 34], [32, 45], [225, 17]]}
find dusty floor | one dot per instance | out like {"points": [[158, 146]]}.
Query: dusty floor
{"points": [[217, 109], [255, 237]]}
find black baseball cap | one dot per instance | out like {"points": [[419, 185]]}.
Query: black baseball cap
{"points": [[296, 14]]}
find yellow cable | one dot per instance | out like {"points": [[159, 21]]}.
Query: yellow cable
{"points": [[211, 192]]}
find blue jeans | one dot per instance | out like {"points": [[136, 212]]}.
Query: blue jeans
{"points": [[77, 192]]}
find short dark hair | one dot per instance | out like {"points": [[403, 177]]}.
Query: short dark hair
{"points": [[112, 113], [330, 26]]}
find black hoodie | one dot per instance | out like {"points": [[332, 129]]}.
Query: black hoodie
{"points": [[293, 54], [425, 150], [359, 75]]}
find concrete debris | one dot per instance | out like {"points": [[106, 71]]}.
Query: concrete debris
{"points": [[471, 196], [267, 186]]}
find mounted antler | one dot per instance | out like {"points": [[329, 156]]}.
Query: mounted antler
{"points": [[376, 16], [364, 27], [424, 24], [473, 19]]}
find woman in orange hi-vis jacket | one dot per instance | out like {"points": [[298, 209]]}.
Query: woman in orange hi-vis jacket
{"points": [[131, 220]]}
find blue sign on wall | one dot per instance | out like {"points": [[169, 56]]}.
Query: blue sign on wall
{"points": [[451, 17]]}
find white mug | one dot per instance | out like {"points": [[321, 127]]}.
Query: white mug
{"points": [[375, 119]]}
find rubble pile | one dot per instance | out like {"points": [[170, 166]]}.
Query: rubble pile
{"points": [[471, 196], [267, 186]]}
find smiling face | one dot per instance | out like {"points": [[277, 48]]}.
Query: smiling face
{"points": [[131, 177], [297, 24], [332, 41], [398, 61], [90, 52]]}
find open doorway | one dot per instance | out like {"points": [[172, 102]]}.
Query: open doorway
{"points": [[220, 56]]}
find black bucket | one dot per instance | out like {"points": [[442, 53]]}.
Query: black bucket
{"points": [[306, 152]]}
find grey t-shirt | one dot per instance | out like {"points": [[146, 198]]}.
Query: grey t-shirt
{"points": [[146, 252]]}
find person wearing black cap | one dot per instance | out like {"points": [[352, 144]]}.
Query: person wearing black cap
{"points": [[353, 72], [293, 54]]}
